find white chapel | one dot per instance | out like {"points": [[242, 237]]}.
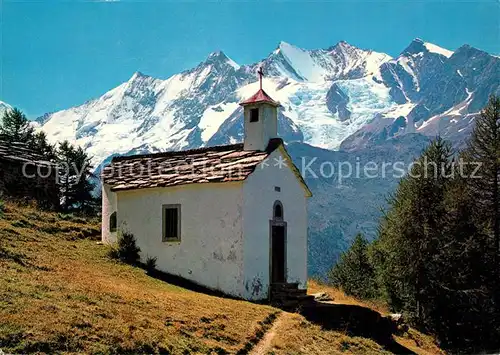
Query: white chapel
{"points": [[231, 218]]}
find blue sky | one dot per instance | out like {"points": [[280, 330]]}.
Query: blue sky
{"points": [[55, 55]]}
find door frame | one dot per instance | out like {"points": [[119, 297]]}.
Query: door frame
{"points": [[278, 223]]}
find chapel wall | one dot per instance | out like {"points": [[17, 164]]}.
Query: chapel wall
{"points": [[259, 197], [109, 206], [210, 251]]}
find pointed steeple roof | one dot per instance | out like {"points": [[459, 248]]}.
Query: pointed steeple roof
{"points": [[260, 97]]}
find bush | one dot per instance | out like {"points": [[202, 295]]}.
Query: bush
{"points": [[151, 265], [2, 208], [126, 249]]}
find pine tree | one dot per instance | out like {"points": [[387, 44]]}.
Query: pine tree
{"points": [[65, 154], [432, 257], [81, 190], [410, 232], [15, 127], [40, 144], [354, 272], [484, 149], [463, 316], [76, 179]]}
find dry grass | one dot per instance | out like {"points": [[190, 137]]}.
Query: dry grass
{"points": [[298, 336], [59, 292], [413, 340], [419, 343], [340, 297]]}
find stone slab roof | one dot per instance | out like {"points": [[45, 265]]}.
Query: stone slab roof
{"points": [[212, 164], [21, 153]]}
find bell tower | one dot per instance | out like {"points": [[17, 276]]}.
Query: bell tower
{"points": [[260, 114]]}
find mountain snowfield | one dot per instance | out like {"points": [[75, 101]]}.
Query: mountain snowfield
{"points": [[328, 96]]}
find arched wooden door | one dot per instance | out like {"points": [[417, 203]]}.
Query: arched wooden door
{"points": [[277, 258]]}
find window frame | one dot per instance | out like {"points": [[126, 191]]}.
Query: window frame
{"points": [[252, 110], [279, 204], [164, 207], [113, 216]]}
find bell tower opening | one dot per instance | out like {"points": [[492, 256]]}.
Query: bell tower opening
{"points": [[260, 114], [254, 115]]}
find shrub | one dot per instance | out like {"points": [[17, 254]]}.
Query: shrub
{"points": [[2, 208], [151, 265], [113, 252], [126, 249]]}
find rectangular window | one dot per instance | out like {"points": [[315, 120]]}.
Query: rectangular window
{"points": [[112, 222], [254, 115], [171, 223]]}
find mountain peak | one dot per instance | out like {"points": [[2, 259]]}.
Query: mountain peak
{"points": [[419, 46], [469, 51], [284, 46], [220, 56], [415, 46], [344, 44], [138, 75]]}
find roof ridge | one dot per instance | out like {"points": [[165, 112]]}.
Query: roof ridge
{"points": [[216, 148], [200, 165]]}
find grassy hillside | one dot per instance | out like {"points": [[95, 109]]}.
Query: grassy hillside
{"points": [[59, 292]]}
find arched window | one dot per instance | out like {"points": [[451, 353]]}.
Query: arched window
{"points": [[112, 222], [278, 210]]}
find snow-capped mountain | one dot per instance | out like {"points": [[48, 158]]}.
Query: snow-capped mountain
{"points": [[4, 107], [438, 92], [341, 61], [195, 107], [145, 113], [340, 95]]}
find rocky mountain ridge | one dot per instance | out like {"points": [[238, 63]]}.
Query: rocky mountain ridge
{"points": [[341, 96]]}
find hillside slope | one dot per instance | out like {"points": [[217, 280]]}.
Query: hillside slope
{"points": [[59, 292]]}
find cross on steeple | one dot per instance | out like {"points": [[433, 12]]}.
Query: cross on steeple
{"points": [[260, 115], [261, 74]]}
